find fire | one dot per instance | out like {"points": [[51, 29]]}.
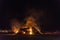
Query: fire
{"points": [[15, 30], [23, 32], [16, 27], [30, 22], [30, 31]]}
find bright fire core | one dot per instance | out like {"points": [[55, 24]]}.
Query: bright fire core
{"points": [[30, 31]]}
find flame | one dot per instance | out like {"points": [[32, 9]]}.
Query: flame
{"points": [[16, 27], [23, 32], [15, 30], [30, 22], [30, 31]]}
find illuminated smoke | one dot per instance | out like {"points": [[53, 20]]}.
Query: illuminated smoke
{"points": [[36, 13]]}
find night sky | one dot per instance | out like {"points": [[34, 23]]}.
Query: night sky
{"points": [[49, 21]]}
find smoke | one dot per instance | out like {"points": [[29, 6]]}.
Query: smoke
{"points": [[36, 13]]}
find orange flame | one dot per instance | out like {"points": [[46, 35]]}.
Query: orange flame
{"points": [[16, 27], [31, 31], [30, 22]]}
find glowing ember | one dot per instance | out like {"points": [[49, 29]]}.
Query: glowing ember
{"points": [[23, 32]]}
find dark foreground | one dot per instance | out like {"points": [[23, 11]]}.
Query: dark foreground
{"points": [[31, 37]]}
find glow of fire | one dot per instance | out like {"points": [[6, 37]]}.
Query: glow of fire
{"points": [[16, 27], [30, 22], [15, 30], [30, 31], [23, 32]]}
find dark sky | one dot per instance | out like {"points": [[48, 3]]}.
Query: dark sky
{"points": [[10, 9]]}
